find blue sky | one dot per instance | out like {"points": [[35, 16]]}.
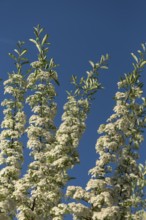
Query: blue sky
{"points": [[80, 30]]}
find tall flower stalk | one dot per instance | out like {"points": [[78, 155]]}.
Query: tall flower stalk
{"points": [[116, 188], [53, 151], [64, 154], [13, 125], [33, 191]]}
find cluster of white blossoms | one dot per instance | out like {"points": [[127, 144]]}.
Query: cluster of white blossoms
{"points": [[64, 154], [11, 149], [53, 152], [71, 129], [116, 188], [36, 192]]}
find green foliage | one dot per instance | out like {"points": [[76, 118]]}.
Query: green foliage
{"points": [[88, 86]]}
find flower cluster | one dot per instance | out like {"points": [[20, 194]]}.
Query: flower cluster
{"points": [[115, 190], [11, 149], [36, 191]]}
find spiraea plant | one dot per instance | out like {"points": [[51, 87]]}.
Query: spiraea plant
{"points": [[13, 127], [53, 151], [116, 188]]}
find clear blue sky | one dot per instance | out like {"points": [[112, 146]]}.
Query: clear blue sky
{"points": [[80, 30]]}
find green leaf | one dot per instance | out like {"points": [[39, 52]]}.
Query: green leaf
{"points": [[24, 58], [37, 45], [16, 51], [107, 56], [104, 67], [74, 79], [68, 93], [97, 65], [36, 32], [139, 51], [140, 85], [134, 57], [91, 63], [143, 47], [51, 64], [23, 52], [32, 40], [77, 91], [101, 59], [20, 44], [56, 81], [143, 63], [12, 56], [45, 39], [25, 62]]}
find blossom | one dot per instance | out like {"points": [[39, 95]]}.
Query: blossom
{"points": [[11, 152], [114, 189]]}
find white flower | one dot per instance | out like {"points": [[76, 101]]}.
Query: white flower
{"points": [[36, 64], [79, 209], [110, 212], [120, 95], [95, 184], [121, 109], [60, 210]]}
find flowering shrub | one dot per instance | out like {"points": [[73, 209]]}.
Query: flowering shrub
{"points": [[116, 188]]}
